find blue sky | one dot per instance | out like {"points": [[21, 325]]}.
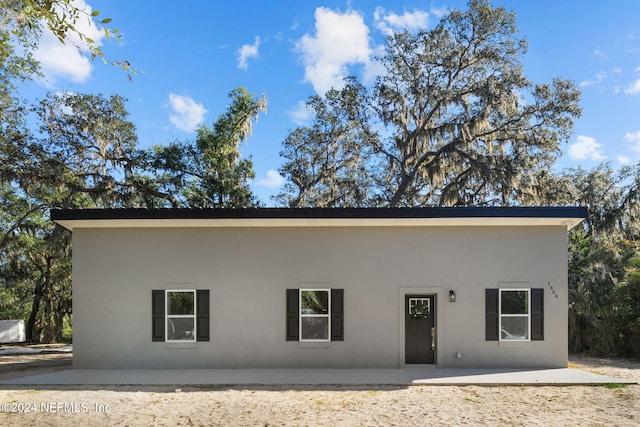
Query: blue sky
{"points": [[193, 53]]}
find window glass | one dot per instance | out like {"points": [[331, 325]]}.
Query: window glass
{"points": [[315, 324], [514, 302], [315, 328], [515, 328], [514, 315], [180, 328], [180, 318], [314, 302], [180, 303]]}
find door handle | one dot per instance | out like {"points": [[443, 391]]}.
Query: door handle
{"points": [[433, 338]]}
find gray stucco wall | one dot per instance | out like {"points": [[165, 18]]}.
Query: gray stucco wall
{"points": [[248, 270]]}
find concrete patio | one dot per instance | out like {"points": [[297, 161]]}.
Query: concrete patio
{"points": [[395, 377]]}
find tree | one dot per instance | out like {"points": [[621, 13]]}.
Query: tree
{"points": [[611, 196], [15, 68], [604, 254], [328, 162], [451, 121], [22, 23], [84, 155], [211, 172], [35, 267], [13, 219], [35, 264], [628, 307], [81, 157]]}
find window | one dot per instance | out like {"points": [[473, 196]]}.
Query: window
{"points": [[419, 307], [180, 315], [315, 321], [514, 314], [315, 315]]}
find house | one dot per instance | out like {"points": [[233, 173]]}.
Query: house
{"points": [[327, 288]]}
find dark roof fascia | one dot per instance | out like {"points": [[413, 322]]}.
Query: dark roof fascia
{"points": [[341, 213]]}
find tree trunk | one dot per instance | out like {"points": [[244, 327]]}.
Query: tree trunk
{"points": [[35, 307]]}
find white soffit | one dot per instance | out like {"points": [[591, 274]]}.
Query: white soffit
{"points": [[567, 223]]}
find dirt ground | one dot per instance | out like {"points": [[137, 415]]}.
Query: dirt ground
{"points": [[611, 405]]}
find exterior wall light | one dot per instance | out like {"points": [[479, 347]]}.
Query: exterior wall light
{"points": [[452, 296]]}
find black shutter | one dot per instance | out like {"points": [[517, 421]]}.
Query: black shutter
{"points": [[337, 314], [202, 315], [293, 311], [157, 315], [491, 313], [537, 314]]}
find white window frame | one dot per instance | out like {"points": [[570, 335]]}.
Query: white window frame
{"points": [[527, 316], [302, 315], [168, 316]]}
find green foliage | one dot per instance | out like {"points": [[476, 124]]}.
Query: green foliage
{"points": [[604, 283], [84, 155], [452, 121], [211, 172], [35, 266], [67, 330], [627, 307], [328, 164], [22, 22], [614, 386]]}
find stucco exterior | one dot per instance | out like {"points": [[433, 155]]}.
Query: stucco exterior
{"points": [[248, 269]]}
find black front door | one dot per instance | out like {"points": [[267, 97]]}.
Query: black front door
{"points": [[419, 326]]}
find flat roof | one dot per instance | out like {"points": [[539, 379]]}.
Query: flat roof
{"points": [[565, 216]]}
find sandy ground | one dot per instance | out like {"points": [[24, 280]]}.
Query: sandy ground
{"points": [[610, 405]]}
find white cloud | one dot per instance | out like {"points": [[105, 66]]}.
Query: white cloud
{"points": [[439, 12], [68, 60], [187, 114], [246, 52], [374, 68], [586, 148], [272, 181], [340, 40], [623, 160], [634, 138], [300, 114], [599, 78], [633, 89], [600, 53], [388, 23]]}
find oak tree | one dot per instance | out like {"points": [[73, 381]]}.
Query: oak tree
{"points": [[451, 121]]}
